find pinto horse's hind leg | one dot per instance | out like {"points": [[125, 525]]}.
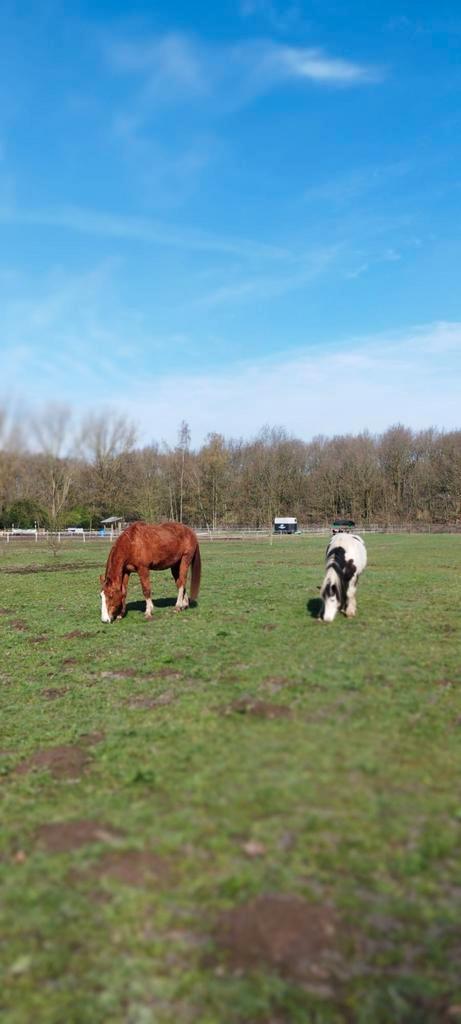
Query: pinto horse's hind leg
{"points": [[351, 601], [180, 574], [144, 577]]}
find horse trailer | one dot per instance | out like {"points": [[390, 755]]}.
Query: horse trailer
{"points": [[285, 524]]}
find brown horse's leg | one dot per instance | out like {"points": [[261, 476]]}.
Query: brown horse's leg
{"points": [[181, 579], [125, 579], [144, 578]]}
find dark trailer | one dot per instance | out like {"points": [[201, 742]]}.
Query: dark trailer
{"points": [[285, 524], [343, 525]]}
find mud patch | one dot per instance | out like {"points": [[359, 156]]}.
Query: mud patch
{"points": [[90, 739], [258, 708], [122, 673], [19, 625], [64, 762], [132, 867], [65, 836], [54, 692], [69, 661], [167, 673], [273, 684], [151, 702], [282, 933]]}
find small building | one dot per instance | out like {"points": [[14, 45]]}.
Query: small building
{"points": [[285, 524], [112, 523]]}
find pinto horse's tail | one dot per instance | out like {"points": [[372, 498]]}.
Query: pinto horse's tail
{"points": [[196, 574]]}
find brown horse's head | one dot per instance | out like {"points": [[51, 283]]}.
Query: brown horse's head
{"points": [[112, 599]]}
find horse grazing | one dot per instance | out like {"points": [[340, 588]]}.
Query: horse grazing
{"points": [[142, 547], [346, 558]]}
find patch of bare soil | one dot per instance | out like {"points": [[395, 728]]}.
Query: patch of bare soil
{"points": [[6, 611], [78, 634], [282, 933], [151, 702], [64, 836], [122, 673], [54, 692], [64, 762], [70, 661], [39, 639], [258, 708], [90, 739], [19, 625], [166, 673], [275, 683], [132, 867], [24, 570], [268, 627]]}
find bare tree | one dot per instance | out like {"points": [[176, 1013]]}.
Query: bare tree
{"points": [[105, 442], [54, 433]]}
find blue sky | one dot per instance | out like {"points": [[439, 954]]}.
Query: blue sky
{"points": [[234, 214]]}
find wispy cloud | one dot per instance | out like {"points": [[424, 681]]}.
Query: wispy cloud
{"points": [[171, 65], [179, 68], [266, 286], [380, 379], [141, 229], [356, 183]]}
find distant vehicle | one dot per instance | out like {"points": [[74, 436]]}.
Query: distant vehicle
{"points": [[343, 525], [75, 529], [285, 524]]}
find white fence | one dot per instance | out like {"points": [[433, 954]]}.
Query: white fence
{"points": [[238, 533]]}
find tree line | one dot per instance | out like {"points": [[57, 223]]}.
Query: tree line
{"points": [[61, 475]]}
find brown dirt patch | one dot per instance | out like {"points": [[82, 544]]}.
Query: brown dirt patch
{"points": [[282, 933], [122, 673], [64, 836], [39, 639], [90, 739], [167, 673], [70, 661], [19, 625], [6, 611], [258, 708], [132, 867], [275, 683], [151, 702], [54, 692], [64, 762], [269, 627]]}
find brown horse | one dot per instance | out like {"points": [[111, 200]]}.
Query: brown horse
{"points": [[142, 547]]}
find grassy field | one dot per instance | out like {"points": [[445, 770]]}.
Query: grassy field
{"points": [[234, 814]]}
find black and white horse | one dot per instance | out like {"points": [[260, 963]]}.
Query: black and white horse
{"points": [[346, 558]]}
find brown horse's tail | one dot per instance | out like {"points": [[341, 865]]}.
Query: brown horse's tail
{"points": [[196, 574]]}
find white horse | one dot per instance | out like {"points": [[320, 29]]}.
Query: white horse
{"points": [[346, 558]]}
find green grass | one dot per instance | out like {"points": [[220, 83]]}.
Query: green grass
{"points": [[354, 797]]}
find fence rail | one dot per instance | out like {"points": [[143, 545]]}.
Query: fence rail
{"points": [[237, 533]]}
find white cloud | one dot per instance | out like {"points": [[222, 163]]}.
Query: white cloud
{"points": [[142, 229], [411, 376], [368, 383], [176, 67]]}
